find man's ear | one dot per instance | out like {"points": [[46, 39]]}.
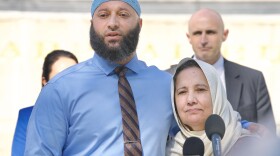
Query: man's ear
{"points": [[188, 35], [225, 34], [140, 22]]}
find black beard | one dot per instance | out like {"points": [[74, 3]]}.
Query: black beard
{"points": [[115, 54]]}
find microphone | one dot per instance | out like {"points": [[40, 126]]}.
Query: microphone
{"points": [[215, 130], [193, 146]]}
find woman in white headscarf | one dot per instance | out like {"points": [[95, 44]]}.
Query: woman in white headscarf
{"points": [[197, 92]]}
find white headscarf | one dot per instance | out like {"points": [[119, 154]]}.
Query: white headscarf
{"points": [[221, 106]]}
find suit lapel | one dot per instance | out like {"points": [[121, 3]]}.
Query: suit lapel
{"points": [[233, 84]]}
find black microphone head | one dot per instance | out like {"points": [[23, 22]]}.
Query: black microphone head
{"points": [[215, 125], [193, 146]]}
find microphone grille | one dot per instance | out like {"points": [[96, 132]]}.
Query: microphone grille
{"points": [[193, 146], [214, 124]]}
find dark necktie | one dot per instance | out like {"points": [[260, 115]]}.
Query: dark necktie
{"points": [[131, 132]]}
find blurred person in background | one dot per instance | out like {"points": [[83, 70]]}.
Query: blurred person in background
{"points": [[54, 62]]}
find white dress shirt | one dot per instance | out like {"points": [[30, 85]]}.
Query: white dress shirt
{"points": [[219, 66]]}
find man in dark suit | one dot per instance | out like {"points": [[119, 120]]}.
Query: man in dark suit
{"points": [[246, 88]]}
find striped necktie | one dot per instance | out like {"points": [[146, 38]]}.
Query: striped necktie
{"points": [[131, 132]]}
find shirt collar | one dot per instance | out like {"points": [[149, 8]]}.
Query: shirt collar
{"points": [[219, 64], [107, 67]]}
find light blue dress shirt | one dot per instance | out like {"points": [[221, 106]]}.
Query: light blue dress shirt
{"points": [[78, 111]]}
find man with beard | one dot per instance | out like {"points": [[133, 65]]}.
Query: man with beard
{"points": [[79, 112]]}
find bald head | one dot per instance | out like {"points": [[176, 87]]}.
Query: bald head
{"points": [[206, 35], [207, 14]]}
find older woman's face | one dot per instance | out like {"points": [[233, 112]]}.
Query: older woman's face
{"points": [[193, 98]]}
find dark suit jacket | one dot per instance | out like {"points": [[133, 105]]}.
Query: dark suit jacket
{"points": [[20, 132], [247, 93]]}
